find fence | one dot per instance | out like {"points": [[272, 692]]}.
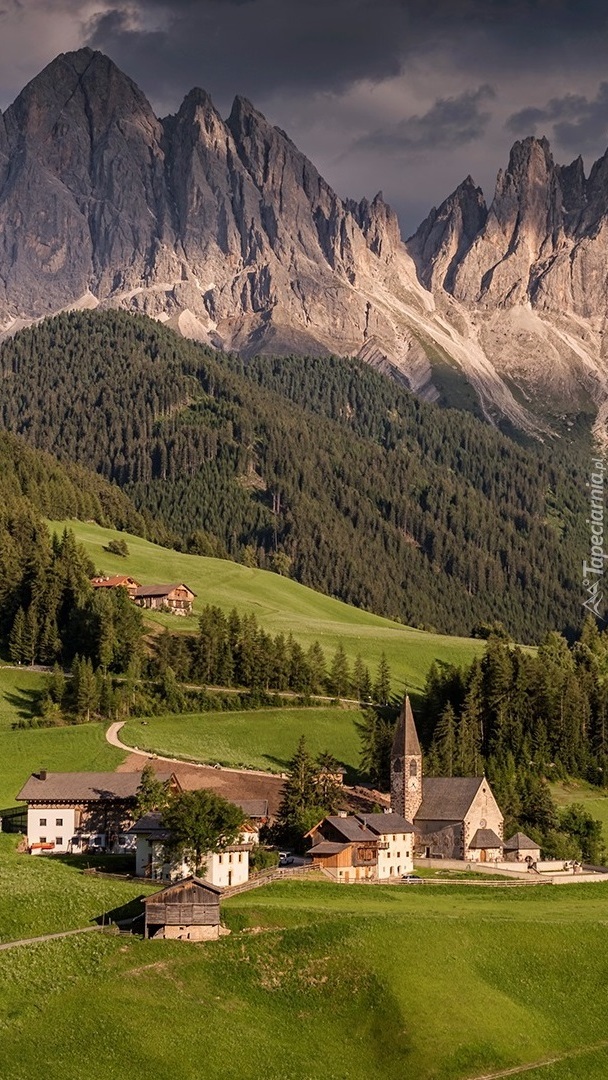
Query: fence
{"points": [[265, 877]]}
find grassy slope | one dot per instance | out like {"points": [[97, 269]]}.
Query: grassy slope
{"points": [[44, 895], [82, 747], [262, 739], [281, 605], [375, 983], [577, 791]]}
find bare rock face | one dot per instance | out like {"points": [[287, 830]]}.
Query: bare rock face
{"points": [[223, 229]]}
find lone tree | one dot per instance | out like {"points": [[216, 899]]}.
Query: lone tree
{"points": [[151, 793], [200, 822]]}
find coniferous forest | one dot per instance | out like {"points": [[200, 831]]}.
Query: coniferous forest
{"points": [[318, 468]]}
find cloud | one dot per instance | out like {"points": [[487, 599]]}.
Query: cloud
{"points": [[578, 123], [450, 122]]}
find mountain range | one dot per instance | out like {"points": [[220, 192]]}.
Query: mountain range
{"points": [[226, 232]]}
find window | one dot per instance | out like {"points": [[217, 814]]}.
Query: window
{"points": [[42, 840], [240, 856], [59, 841], [59, 821], [398, 854], [407, 854], [220, 859], [43, 821], [413, 767]]}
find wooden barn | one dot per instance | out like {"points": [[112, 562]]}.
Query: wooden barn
{"points": [[175, 598], [188, 910]]}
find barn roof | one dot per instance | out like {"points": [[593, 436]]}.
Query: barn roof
{"points": [[448, 798], [350, 827], [113, 582], [83, 786], [327, 847], [485, 838], [382, 824], [521, 842], [161, 590], [177, 887]]}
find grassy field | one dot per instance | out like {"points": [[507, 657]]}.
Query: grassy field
{"points": [[46, 895], [336, 983], [281, 605], [259, 739], [23, 751]]}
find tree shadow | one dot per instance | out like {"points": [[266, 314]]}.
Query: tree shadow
{"points": [[129, 916], [25, 702]]}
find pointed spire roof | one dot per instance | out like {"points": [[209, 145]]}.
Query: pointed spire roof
{"points": [[405, 740]]}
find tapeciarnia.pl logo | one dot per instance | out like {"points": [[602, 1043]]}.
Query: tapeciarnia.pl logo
{"points": [[593, 570]]}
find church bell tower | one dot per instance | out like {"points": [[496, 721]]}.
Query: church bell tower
{"points": [[406, 765]]}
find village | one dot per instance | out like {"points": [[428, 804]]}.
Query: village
{"points": [[451, 822]]}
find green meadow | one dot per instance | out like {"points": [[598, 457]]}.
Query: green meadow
{"points": [[593, 799], [281, 605], [324, 982], [58, 749], [258, 739]]}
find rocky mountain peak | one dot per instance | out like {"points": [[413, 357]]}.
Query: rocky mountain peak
{"points": [[444, 237]]}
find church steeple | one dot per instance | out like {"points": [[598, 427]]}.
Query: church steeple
{"points": [[406, 765]]}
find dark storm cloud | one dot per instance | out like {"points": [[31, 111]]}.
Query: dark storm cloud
{"points": [[578, 123], [450, 122]]}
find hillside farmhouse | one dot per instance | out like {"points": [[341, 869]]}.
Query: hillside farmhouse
{"points": [[175, 598], [119, 581], [454, 817], [366, 847], [188, 910], [76, 812]]}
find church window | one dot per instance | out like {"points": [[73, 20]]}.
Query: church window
{"points": [[413, 767]]}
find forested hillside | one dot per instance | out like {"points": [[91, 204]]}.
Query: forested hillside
{"points": [[322, 469]]}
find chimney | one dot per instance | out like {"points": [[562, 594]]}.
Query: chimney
{"points": [[42, 774], [342, 813]]}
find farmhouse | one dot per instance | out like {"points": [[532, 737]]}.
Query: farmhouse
{"points": [[175, 598], [223, 868], [189, 909], [79, 811], [454, 817], [368, 847], [117, 582]]}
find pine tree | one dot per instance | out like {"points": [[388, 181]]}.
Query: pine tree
{"points": [[338, 681], [329, 788], [152, 793], [16, 640], [382, 685], [300, 808], [444, 742]]}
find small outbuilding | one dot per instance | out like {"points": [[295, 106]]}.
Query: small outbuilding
{"points": [[188, 910], [486, 846], [520, 848]]}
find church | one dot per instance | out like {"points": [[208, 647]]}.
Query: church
{"points": [[454, 817]]}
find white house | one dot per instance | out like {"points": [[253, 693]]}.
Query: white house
{"points": [[222, 868]]}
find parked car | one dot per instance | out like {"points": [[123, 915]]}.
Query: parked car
{"points": [[285, 859], [411, 879]]}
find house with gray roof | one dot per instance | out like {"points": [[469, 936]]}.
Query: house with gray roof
{"points": [[520, 848], [75, 812], [455, 817], [368, 847]]}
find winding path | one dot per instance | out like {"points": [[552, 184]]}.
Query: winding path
{"points": [[517, 1070]]}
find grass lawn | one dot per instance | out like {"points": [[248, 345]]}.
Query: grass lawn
{"points": [[258, 739], [347, 983], [592, 798], [23, 751], [281, 605], [44, 895]]}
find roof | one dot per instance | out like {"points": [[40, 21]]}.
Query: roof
{"points": [[83, 786], [447, 798], [180, 886], [485, 838], [151, 824], [113, 582], [161, 590], [405, 739], [252, 808], [326, 847], [350, 827], [382, 824], [521, 842]]}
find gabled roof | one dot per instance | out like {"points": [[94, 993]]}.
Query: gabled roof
{"points": [[151, 824], [113, 582], [252, 808], [485, 838], [83, 786], [448, 798], [521, 842], [405, 739], [161, 590], [349, 827], [382, 824], [188, 883], [327, 847]]}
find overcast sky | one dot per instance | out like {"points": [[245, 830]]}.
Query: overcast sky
{"points": [[407, 96]]}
